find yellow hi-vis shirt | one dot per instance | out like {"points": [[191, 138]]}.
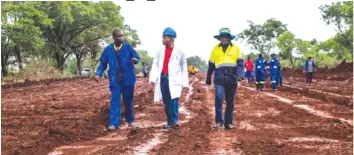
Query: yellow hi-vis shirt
{"points": [[227, 58]]}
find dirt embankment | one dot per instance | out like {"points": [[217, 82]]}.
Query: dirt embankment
{"points": [[343, 71]]}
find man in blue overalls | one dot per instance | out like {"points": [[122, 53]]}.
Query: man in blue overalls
{"points": [[260, 72], [121, 57], [274, 69]]}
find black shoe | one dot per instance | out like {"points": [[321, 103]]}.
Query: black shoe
{"points": [[175, 126], [229, 126]]}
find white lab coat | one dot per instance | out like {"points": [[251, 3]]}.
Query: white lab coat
{"points": [[177, 73]]}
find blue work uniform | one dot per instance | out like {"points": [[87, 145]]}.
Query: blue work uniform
{"points": [[274, 69], [122, 79], [280, 77], [260, 73]]}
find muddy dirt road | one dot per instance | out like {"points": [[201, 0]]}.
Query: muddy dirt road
{"points": [[70, 117]]}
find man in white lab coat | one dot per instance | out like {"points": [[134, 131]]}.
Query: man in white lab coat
{"points": [[169, 74]]}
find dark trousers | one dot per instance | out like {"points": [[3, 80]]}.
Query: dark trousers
{"points": [[229, 92], [118, 90], [171, 105], [309, 77]]}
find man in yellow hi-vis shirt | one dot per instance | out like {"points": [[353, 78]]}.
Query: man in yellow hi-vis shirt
{"points": [[228, 70]]}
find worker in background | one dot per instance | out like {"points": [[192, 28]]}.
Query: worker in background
{"points": [[280, 77], [121, 57], [273, 70], [145, 69], [260, 70], [309, 69], [228, 69], [169, 74], [249, 70]]}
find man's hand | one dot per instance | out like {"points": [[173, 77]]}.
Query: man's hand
{"points": [[134, 60], [208, 81], [97, 78]]}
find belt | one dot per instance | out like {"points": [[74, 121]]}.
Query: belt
{"points": [[164, 74]]}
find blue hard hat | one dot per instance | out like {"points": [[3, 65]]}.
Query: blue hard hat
{"points": [[169, 32]]}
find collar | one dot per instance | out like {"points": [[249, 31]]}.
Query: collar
{"points": [[117, 48], [227, 46]]}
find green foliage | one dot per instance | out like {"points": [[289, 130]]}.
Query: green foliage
{"points": [[144, 58], [286, 43], [20, 35], [55, 31], [262, 37], [340, 14], [198, 62]]}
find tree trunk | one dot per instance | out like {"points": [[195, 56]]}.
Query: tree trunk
{"points": [[78, 56], [3, 65], [78, 65], [19, 58], [292, 63]]}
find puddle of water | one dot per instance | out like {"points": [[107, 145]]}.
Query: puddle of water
{"points": [[309, 139], [272, 126], [184, 111], [145, 148], [230, 152], [160, 138], [56, 153], [282, 99]]}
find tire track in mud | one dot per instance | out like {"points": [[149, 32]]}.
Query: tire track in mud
{"points": [[161, 137], [318, 91], [221, 140], [190, 138], [307, 108], [130, 141], [268, 126], [324, 96]]}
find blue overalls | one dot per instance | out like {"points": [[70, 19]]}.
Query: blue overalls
{"points": [[260, 73], [280, 77], [273, 69], [122, 79]]}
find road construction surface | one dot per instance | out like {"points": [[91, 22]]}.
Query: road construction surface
{"points": [[70, 117]]}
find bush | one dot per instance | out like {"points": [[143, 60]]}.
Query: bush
{"points": [[34, 71]]}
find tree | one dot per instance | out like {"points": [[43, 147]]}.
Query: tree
{"points": [[20, 35], [131, 36], [262, 37], [72, 19], [334, 49], [198, 62], [286, 44], [144, 58], [340, 14]]}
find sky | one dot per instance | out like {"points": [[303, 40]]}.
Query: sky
{"points": [[197, 21]]}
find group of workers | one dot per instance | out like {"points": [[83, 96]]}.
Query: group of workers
{"points": [[169, 75], [260, 71]]}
